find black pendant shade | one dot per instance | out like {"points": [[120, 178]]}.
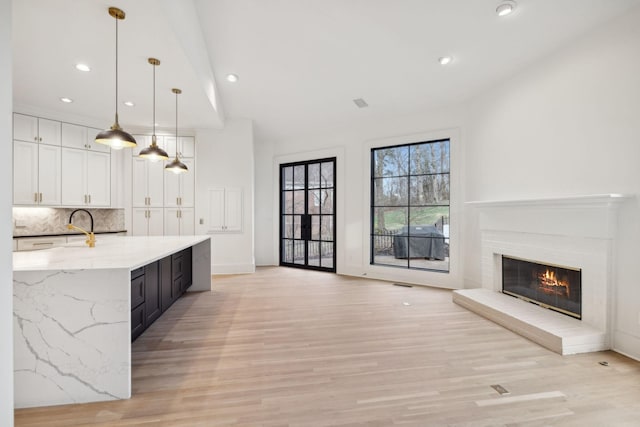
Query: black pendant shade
{"points": [[153, 152], [176, 166], [115, 137]]}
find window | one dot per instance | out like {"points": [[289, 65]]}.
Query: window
{"points": [[410, 205]]}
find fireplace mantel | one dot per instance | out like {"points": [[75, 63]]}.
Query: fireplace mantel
{"points": [[587, 200], [577, 231]]}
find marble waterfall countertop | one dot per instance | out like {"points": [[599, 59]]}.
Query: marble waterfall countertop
{"points": [[116, 252], [72, 316]]}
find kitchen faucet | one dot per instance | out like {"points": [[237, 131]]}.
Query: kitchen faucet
{"points": [[91, 238]]}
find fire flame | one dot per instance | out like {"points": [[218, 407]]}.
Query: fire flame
{"points": [[550, 284]]}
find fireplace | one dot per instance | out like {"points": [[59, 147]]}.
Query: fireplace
{"points": [[551, 286]]}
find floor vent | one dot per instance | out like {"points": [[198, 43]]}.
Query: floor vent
{"points": [[500, 389], [403, 285]]}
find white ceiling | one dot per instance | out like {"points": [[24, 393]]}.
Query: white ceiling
{"points": [[300, 62]]}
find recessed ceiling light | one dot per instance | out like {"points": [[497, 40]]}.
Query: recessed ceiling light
{"points": [[129, 104], [232, 78], [444, 60], [505, 8], [67, 100], [83, 67]]}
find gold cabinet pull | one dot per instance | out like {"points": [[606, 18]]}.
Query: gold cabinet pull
{"points": [[35, 197]]}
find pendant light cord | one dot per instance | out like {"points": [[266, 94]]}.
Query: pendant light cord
{"points": [[154, 104], [117, 69], [176, 125]]}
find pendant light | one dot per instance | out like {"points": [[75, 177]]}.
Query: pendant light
{"points": [[153, 152], [176, 166], [115, 137]]}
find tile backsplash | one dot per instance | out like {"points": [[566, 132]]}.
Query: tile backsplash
{"points": [[39, 221]]}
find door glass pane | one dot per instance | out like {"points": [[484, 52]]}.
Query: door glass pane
{"points": [[298, 202], [298, 251], [327, 201], [327, 175], [315, 227], [287, 231], [288, 202], [298, 177], [327, 227], [314, 253], [297, 227], [287, 178], [313, 172], [315, 198], [287, 256], [327, 255]]}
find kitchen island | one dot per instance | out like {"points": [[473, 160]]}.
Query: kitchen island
{"points": [[72, 315]]}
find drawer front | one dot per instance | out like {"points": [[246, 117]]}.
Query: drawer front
{"points": [[34, 243], [137, 291], [137, 321], [177, 265], [137, 272]]}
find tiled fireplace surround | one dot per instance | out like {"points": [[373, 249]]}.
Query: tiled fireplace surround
{"points": [[573, 231]]}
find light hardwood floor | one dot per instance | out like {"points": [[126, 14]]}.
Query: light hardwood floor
{"points": [[287, 347]]}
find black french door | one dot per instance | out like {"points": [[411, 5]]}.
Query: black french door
{"points": [[307, 214]]}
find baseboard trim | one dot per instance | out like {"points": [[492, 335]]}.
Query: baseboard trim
{"points": [[217, 269]]}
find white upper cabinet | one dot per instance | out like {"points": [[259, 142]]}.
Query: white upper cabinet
{"points": [[179, 189], [91, 141], [74, 136], [225, 210], [34, 129], [86, 178], [186, 146], [36, 174], [147, 184]]}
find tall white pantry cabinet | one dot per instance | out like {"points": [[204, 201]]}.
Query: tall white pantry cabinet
{"points": [[163, 202]]}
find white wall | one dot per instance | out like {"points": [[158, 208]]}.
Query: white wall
{"points": [[568, 125], [352, 147], [6, 229], [224, 158]]}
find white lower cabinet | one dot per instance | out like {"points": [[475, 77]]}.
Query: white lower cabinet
{"points": [[179, 222], [86, 178], [36, 174], [147, 222]]}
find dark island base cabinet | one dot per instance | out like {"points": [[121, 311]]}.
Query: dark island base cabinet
{"points": [[156, 286]]}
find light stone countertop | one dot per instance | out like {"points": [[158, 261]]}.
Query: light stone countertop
{"points": [[115, 252]]}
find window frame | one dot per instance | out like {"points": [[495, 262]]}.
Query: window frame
{"points": [[409, 196]]}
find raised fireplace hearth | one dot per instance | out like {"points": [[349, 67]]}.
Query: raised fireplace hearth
{"points": [[574, 238]]}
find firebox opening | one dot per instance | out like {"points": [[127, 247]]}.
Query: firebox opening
{"points": [[551, 286]]}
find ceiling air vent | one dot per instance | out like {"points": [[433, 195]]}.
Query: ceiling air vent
{"points": [[361, 103]]}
